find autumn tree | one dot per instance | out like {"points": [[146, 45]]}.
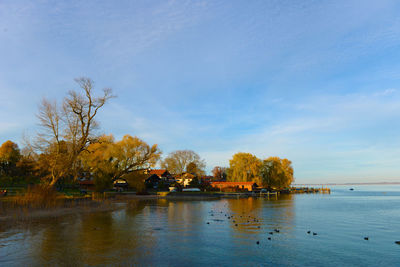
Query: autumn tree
{"points": [[244, 167], [9, 157], [111, 160], [16, 166], [179, 161], [136, 179], [54, 163], [68, 129], [276, 173], [219, 173], [194, 169]]}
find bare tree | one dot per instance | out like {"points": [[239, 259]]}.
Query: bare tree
{"points": [[69, 130], [79, 114], [219, 173], [178, 161]]}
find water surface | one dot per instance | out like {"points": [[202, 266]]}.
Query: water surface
{"points": [[198, 233]]}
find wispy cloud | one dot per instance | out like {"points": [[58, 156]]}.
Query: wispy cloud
{"points": [[313, 81], [386, 92]]}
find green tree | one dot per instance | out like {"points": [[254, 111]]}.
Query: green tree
{"points": [[244, 167], [276, 173]]}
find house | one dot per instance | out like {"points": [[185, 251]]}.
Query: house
{"points": [[153, 181], [120, 184], [163, 174], [185, 178], [237, 186]]}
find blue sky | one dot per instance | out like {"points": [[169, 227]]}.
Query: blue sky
{"points": [[317, 82]]}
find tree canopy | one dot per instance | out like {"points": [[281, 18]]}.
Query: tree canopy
{"points": [[117, 159], [181, 161], [276, 173], [219, 173], [244, 167], [272, 172], [9, 156], [9, 152]]}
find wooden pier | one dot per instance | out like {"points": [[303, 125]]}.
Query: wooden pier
{"points": [[269, 194]]}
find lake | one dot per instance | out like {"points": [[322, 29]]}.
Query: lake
{"points": [[198, 233]]}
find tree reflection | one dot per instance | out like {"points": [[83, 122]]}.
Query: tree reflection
{"points": [[57, 235], [99, 238], [254, 214]]}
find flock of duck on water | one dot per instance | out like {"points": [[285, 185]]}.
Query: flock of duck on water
{"points": [[254, 219]]}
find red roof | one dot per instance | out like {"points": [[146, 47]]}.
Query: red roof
{"points": [[157, 172], [232, 183]]}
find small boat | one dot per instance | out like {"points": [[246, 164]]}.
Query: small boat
{"points": [[351, 189]]}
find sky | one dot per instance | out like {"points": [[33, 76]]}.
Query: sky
{"points": [[317, 82]]}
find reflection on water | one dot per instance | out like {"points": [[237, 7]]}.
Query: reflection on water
{"points": [[221, 232], [249, 214]]}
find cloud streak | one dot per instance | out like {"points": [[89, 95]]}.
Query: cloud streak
{"points": [[315, 82]]}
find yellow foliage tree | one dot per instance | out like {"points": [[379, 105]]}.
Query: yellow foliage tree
{"points": [[53, 164], [244, 167], [9, 156], [112, 160], [276, 173]]}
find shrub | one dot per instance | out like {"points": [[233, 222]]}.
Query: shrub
{"points": [[38, 196]]}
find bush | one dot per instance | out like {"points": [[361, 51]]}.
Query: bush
{"points": [[38, 196]]}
